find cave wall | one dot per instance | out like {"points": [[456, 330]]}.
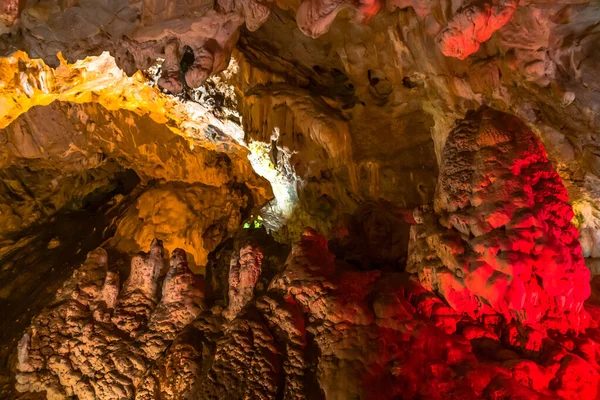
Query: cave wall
{"points": [[77, 175], [399, 61]]}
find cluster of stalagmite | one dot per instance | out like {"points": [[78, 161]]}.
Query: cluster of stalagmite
{"points": [[95, 341], [500, 238], [321, 329]]}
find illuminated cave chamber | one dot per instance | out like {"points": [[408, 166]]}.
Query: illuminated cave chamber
{"points": [[310, 200]]}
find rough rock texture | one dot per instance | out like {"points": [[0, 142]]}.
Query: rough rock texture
{"points": [[68, 155], [95, 339], [100, 151], [321, 330], [244, 270], [194, 217], [93, 145], [10, 10], [539, 66], [341, 154], [194, 40], [474, 23], [501, 239], [346, 109], [342, 333]]}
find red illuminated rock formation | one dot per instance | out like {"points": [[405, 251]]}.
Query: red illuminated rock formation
{"points": [[501, 239], [321, 330], [473, 24], [72, 348], [342, 333]]}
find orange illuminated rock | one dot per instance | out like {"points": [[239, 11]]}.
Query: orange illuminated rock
{"points": [[196, 218], [473, 24]]}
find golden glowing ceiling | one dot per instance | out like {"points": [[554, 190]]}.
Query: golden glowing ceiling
{"points": [[26, 82]]}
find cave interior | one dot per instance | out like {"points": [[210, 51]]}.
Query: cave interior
{"points": [[299, 199]]}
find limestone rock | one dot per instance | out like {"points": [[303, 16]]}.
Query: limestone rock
{"points": [[93, 344], [245, 268], [473, 24], [501, 239], [344, 114], [10, 10]]}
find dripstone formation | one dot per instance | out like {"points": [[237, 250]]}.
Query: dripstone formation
{"points": [[95, 340], [499, 239], [314, 199], [321, 330]]}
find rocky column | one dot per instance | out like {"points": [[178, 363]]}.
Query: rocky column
{"points": [[244, 271], [182, 301], [139, 295], [500, 238]]}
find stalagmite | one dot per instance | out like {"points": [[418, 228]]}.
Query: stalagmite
{"points": [[74, 347], [501, 239]]}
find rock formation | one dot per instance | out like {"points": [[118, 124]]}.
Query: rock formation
{"points": [[321, 330], [94, 341], [244, 270], [473, 24], [359, 199], [500, 240]]}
